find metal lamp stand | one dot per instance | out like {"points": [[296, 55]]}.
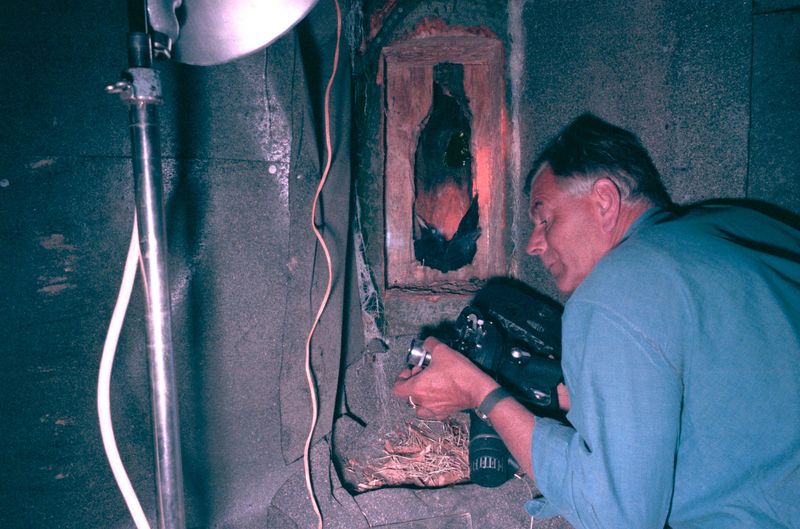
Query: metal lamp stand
{"points": [[211, 32], [140, 89]]}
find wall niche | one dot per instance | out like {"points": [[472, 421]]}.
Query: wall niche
{"points": [[444, 162]]}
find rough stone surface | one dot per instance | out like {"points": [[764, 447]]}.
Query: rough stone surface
{"points": [[775, 128]]}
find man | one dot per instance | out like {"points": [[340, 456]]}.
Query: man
{"points": [[680, 349]]}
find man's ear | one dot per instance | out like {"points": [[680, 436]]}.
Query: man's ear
{"points": [[608, 201]]}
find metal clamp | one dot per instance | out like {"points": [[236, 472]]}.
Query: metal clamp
{"points": [[138, 85]]}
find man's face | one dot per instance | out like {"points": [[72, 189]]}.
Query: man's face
{"points": [[566, 232]]}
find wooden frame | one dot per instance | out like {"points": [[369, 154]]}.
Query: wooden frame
{"points": [[408, 97]]}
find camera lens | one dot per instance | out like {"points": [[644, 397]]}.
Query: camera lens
{"points": [[417, 355], [489, 458]]}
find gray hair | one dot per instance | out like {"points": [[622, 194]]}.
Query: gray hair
{"points": [[589, 149]]}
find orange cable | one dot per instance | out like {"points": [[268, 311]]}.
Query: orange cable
{"points": [[309, 372]]}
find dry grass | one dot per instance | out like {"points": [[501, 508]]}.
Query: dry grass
{"points": [[424, 454]]}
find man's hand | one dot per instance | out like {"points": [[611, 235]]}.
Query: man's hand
{"points": [[449, 384], [452, 383], [563, 397]]}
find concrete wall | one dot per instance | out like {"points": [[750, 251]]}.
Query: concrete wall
{"points": [[774, 140]]}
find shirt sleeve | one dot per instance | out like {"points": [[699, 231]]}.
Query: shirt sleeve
{"points": [[615, 466]]}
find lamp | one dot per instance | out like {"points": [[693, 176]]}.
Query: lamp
{"points": [[199, 32]]}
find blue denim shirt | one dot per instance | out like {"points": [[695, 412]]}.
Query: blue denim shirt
{"points": [[681, 352]]}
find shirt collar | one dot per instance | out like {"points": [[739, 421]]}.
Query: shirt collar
{"points": [[646, 219]]}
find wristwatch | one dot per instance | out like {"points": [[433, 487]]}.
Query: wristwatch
{"points": [[490, 401]]}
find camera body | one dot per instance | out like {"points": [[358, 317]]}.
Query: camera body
{"points": [[514, 334]]}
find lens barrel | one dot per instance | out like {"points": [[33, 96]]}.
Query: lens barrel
{"points": [[488, 456], [417, 356]]}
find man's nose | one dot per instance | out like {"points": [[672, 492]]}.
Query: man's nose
{"points": [[536, 243]]}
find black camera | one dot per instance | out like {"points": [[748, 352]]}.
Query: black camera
{"points": [[514, 334]]}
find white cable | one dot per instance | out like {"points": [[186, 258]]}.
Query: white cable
{"points": [[104, 383]]}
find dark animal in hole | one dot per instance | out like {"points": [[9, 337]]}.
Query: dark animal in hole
{"points": [[433, 249], [446, 227]]}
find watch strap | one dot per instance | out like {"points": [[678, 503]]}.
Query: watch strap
{"points": [[490, 401]]}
